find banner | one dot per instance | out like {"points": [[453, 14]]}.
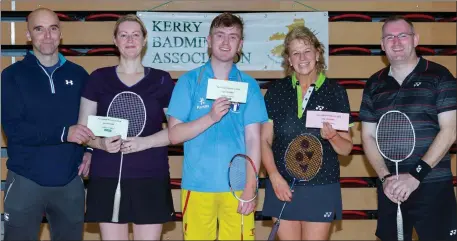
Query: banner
{"points": [[178, 41]]}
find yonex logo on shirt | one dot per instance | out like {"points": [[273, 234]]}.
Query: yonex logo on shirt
{"points": [[320, 107], [453, 232], [69, 82], [417, 84]]}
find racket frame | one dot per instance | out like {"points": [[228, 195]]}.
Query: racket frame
{"points": [[249, 160]]}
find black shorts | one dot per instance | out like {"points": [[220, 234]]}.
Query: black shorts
{"points": [[320, 203], [431, 209], [143, 201]]}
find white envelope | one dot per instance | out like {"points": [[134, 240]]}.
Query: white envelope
{"points": [[233, 90], [104, 126], [339, 121]]}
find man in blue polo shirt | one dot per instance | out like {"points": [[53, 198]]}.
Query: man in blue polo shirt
{"points": [[213, 132], [427, 93], [40, 105]]}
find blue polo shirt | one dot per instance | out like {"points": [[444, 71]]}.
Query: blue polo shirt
{"points": [[206, 157]]}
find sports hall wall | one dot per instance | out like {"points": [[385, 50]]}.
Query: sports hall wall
{"points": [[354, 38]]}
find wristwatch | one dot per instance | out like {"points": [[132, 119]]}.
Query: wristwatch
{"points": [[383, 179]]}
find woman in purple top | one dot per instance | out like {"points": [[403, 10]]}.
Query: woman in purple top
{"points": [[145, 183]]}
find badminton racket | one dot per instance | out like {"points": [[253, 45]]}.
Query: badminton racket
{"points": [[241, 168], [303, 160], [130, 106], [395, 138]]}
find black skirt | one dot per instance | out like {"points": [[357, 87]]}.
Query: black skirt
{"points": [[143, 200], [319, 203]]}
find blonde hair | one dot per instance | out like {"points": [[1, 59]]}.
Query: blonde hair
{"points": [[306, 35], [130, 18]]}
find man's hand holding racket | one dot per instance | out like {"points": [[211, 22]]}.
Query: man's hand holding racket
{"points": [[281, 187], [220, 107], [387, 188], [247, 207], [402, 188]]}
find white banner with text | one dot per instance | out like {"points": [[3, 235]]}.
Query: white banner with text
{"points": [[178, 41]]}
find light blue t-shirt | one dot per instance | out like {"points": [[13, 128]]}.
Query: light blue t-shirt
{"points": [[206, 157]]}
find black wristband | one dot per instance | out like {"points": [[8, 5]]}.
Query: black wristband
{"points": [[383, 179], [420, 170], [88, 149]]}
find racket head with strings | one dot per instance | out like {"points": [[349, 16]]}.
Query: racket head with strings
{"points": [[238, 175], [395, 136], [130, 106], [304, 156]]}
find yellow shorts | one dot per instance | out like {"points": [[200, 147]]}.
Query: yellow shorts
{"points": [[203, 210]]}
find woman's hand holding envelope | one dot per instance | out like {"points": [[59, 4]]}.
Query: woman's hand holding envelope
{"points": [[327, 131], [134, 144]]}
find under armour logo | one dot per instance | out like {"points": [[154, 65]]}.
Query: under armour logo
{"points": [[327, 214], [319, 107], [417, 84], [6, 217], [418, 168], [453, 232], [202, 101], [69, 82]]}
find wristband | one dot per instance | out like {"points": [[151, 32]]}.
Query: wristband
{"points": [[383, 179], [88, 149], [420, 170]]}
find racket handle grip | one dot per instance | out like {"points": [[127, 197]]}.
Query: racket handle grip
{"points": [[273, 232], [399, 224], [116, 205]]}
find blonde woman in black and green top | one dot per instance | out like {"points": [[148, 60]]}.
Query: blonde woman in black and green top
{"points": [[313, 205]]}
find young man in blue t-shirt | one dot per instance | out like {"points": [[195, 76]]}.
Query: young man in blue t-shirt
{"points": [[213, 131]]}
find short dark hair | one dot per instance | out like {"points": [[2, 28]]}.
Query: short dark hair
{"points": [[227, 20], [396, 18]]}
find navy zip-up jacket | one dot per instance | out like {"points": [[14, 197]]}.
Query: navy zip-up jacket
{"points": [[37, 110]]}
